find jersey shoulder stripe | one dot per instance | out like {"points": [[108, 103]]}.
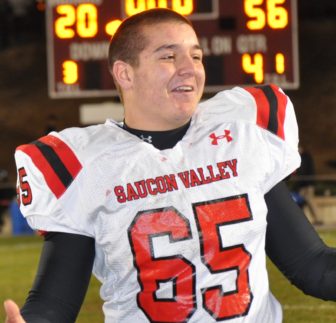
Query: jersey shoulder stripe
{"points": [[271, 107], [56, 161]]}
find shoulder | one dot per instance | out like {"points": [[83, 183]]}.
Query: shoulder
{"points": [[60, 156], [270, 104], [266, 106], [53, 172], [70, 142]]}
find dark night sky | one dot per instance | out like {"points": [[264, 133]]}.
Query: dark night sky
{"points": [[317, 30]]}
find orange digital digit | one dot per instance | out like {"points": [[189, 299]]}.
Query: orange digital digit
{"points": [[183, 7], [70, 72], [133, 7], [280, 63], [87, 20], [277, 16], [254, 64], [112, 26], [257, 14], [64, 24], [156, 4]]}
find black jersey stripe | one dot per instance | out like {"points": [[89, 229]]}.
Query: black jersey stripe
{"points": [[272, 99], [55, 163]]}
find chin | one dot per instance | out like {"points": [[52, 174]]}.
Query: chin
{"points": [[188, 107], [185, 112]]}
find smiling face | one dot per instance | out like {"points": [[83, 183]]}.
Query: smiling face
{"points": [[163, 89]]}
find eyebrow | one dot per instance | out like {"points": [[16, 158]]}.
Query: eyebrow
{"points": [[174, 46]]}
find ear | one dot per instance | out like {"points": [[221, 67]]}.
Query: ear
{"points": [[122, 73]]}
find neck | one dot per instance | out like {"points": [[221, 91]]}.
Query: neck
{"points": [[160, 139]]}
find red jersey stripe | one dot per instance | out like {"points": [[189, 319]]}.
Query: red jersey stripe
{"points": [[56, 161], [49, 174], [282, 104], [65, 153], [271, 108], [263, 107]]}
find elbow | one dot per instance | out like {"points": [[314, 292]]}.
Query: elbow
{"points": [[318, 277]]}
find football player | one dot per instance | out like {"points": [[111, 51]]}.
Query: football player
{"points": [[175, 209]]}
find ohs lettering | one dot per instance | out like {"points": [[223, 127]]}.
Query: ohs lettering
{"points": [[168, 183]]}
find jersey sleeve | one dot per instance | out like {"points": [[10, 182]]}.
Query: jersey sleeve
{"points": [[274, 112], [269, 109], [48, 171]]}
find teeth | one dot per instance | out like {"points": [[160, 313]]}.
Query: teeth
{"points": [[184, 88]]}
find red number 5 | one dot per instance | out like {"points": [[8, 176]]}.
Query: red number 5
{"points": [[210, 217], [152, 271], [26, 194]]}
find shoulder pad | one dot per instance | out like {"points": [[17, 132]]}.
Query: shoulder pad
{"points": [[271, 105], [56, 161]]}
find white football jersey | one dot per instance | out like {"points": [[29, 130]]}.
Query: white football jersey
{"points": [[180, 232]]}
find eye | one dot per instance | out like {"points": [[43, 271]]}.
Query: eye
{"points": [[197, 56], [168, 57]]}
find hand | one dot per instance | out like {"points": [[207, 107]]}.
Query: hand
{"points": [[13, 312]]}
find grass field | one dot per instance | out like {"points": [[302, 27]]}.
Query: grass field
{"points": [[19, 257]]}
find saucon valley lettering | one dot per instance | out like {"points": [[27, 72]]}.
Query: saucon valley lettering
{"points": [[171, 182]]}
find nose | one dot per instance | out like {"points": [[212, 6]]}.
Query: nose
{"points": [[186, 66]]}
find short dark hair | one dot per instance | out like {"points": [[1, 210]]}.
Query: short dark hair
{"points": [[129, 41]]}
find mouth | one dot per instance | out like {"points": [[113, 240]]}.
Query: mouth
{"points": [[183, 89]]}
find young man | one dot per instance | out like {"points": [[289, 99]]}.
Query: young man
{"points": [[170, 204]]}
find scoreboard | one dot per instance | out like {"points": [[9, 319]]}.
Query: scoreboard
{"points": [[245, 42]]}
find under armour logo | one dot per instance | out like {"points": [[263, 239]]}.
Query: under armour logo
{"points": [[227, 136], [146, 139]]}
